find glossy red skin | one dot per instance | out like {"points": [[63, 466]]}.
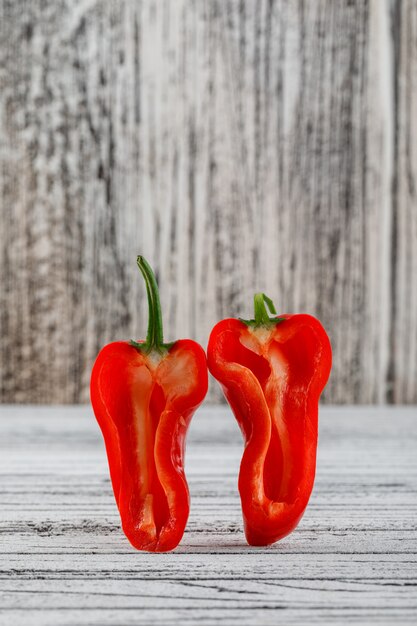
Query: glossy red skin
{"points": [[144, 410], [273, 384]]}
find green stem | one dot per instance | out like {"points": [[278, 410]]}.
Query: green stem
{"points": [[261, 312], [155, 335], [263, 307]]}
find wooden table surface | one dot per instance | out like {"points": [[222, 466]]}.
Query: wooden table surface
{"points": [[64, 559]]}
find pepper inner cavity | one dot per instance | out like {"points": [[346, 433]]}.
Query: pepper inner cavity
{"points": [[270, 371], [152, 492]]}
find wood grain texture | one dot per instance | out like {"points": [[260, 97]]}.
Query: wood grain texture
{"points": [[239, 146], [403, 366], [64, 559]]}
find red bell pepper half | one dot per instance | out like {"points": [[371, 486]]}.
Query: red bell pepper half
{"points": [[272, 371], [144, 395]]}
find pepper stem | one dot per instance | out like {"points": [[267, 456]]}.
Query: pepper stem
{"points": [[263, 307], [155, 336], [261, 302]]}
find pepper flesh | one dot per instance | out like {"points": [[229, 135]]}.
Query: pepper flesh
{"points": [[272, 375], [143, 398]]}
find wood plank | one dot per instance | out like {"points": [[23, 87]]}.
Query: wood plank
{"points": [[214, 616], [403, 365], [240, 146], [63, 557], [185, 594]]}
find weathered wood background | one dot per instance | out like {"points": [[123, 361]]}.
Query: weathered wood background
{"points": [[240, 146]]}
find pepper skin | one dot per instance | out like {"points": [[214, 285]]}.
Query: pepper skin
{"points": [[143, 396], [272, 371]]}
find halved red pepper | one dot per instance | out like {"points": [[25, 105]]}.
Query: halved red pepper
{"points": [[272, 371], [144, 395]]}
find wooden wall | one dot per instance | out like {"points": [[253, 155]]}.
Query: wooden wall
{"points": [[240, 146]]}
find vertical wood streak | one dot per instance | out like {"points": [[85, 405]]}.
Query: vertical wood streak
{"points": [[402, 375]]}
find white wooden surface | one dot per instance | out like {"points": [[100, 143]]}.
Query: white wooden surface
{"points": [[64, 560]]}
